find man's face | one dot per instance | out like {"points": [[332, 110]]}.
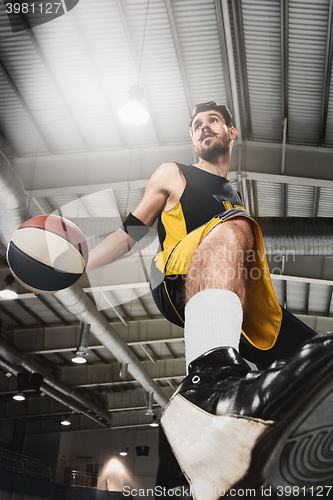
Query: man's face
{"points": [[210, 135]]}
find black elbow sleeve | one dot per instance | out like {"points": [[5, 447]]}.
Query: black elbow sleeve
{"points": [[134, 227]]}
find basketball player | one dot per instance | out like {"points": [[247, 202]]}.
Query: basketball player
{"points": [[211, 276]]}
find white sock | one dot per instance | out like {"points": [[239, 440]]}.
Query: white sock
{"points": [[213, 318]]}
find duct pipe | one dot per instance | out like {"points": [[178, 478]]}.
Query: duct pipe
{"points": [[77, 302], [13, 205], [297, 235], [16, 361], [13, 212]]}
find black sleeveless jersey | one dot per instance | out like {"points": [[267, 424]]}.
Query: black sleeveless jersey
{"points": [[205, 196]]}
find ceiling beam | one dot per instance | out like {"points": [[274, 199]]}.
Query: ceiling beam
{"points": [[302, 279], [284, 6], [38, 205], [242, 69], [316, 202], [6, 148], [52, 310], [21, 295], [261, 156], [223, 51], [168, 348], [285, 179], [12, 316], [108, 299], [100, 357], [149, 353], [62, 358], [231, 67], [284, 200], [143, 305], [307, 298], [329, 301], [179, 55], [284, 294], [327, 77], [26, 108], [177, 378], [51, 413], [255, 198], [96, 348], [31, 313]]}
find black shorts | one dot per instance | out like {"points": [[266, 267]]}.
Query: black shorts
{"points": [[263, 316]]}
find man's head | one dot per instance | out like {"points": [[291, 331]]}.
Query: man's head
{"points": [[212, 130], [207, 106]]}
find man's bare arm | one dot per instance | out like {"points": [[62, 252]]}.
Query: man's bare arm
{"points": [[158, 190]]}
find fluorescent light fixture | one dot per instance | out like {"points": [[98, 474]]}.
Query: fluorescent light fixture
{"points": [[19, 396]]}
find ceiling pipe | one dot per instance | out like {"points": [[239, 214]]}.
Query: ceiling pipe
{"points": [[13, 205], [76, 301], [13, 212], [15, 361]]}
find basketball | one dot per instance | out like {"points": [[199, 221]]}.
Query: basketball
{"points": [[47, 254]]}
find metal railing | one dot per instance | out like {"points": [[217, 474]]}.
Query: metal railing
{"points": [[22, 464], [26, 465], [84, 479]]}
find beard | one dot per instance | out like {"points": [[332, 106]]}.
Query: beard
{"points": [[213, 151]]}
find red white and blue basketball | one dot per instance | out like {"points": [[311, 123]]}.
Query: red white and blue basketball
{"points": [[47, 254]]}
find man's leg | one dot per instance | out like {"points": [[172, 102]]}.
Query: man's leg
{"points": [[216, 288], [230, 427]]}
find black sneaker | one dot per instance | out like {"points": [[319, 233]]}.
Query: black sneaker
{"points": [[271, 431]]}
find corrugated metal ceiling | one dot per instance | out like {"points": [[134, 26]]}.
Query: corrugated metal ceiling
{"points": [[62, 83]]}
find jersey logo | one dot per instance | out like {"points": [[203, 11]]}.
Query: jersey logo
{"points": [[221, 199], [227, 205]]}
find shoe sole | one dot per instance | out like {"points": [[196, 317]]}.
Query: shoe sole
{"points": [[296, 456], [291, 458], [199, 441]]}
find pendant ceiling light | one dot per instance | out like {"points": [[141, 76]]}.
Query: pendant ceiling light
{"points": [[81, 353], [135, 111], [19, 396], [9, 290], [65, 421], [154, 422]]}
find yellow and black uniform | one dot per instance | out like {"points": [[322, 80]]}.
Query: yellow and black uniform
{"points": [[207, 201]]}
